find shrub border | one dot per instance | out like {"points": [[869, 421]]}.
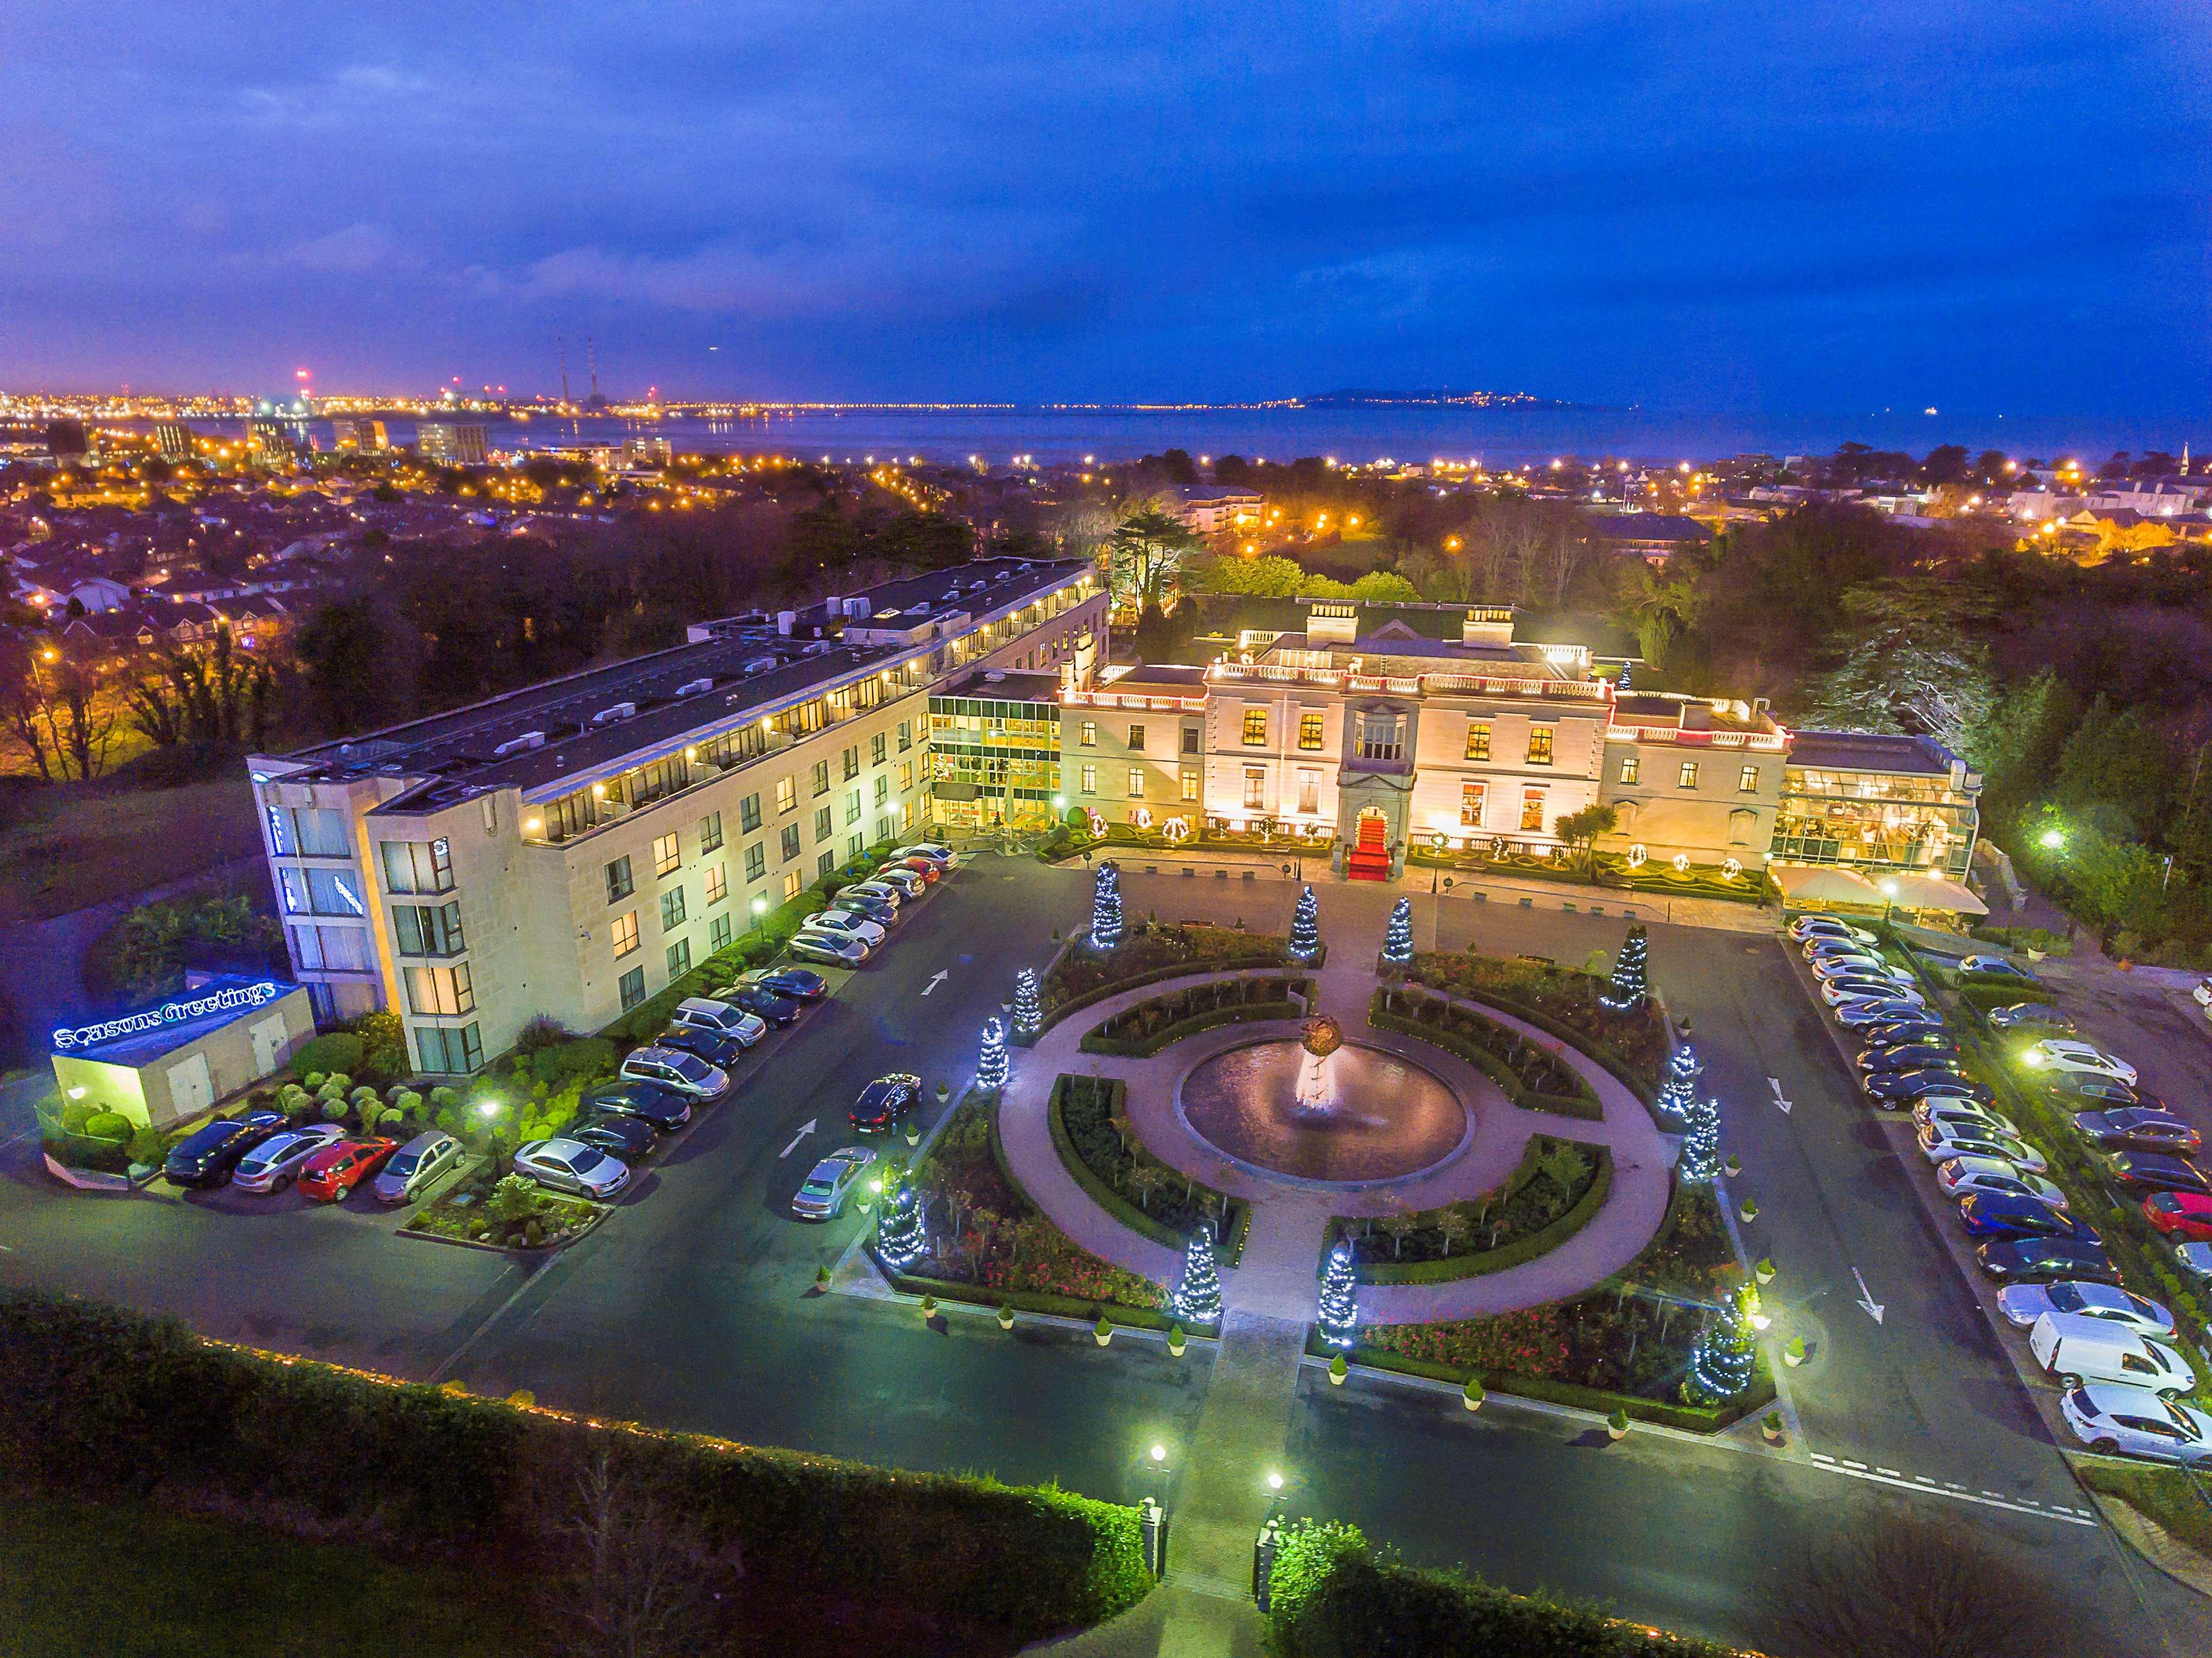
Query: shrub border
{"points": [[1586, 1106], [1159, 975], [1575, 1039], [1237, 1217], [1240, 1013], [1449, 1268], [1691, 1418]]}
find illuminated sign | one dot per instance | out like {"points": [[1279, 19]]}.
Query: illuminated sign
{"points": [[229, 999]]}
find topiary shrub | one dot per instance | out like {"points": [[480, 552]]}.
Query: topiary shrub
{"points": [[107, 1126], [533, 1233], [334, 1110], [312, 1078], [147, 1147], [339, 1051]]}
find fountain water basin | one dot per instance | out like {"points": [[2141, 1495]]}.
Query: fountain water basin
{"points": [[1314, 1109]]}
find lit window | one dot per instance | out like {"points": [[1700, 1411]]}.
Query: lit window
{"points": [[791, 884], [1310, 732], [1471, 799], [1190, 782], [1136, 782], [1688, 777], [1629, 768], [1478, 739], [1090, 733], [1747, 780], [1382, 736], [1256, 727], [1531, 810], [625, 934], [1091, 780], [718, 884], [906, 776], [666, 857], [1540, 745], [787, 793], [1255, 789]]}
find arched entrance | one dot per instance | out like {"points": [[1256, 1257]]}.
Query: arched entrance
{"points": [[1369, 858]]}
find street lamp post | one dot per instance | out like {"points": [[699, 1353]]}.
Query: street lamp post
{"points": [[1437, 869], [1888, 900]]}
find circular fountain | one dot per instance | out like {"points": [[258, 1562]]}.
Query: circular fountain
{"points": [[1314, 1108]]}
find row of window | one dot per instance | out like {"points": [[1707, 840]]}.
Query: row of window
{"points": [[1089, 735], [1187, 781], [1746, 778]]}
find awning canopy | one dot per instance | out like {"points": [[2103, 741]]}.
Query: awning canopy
{"points": [[1822, 884], [1825, 883], [1933, 892]]}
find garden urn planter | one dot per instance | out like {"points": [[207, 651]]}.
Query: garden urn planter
{"points": [[1175, 1341], [1770, 1427], [1764, 1272], [1005, 1318], [1338, 1370], [1102, 1332], [929, 1309], [1616, 1425], [1793, 1354], [1471, 1394]]}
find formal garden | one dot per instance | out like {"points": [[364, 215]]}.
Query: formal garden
{"points": [[504, 1211], [1568, 1002], [1148, 952], [1143, 1029], [1532, 1075], [1557, 1187], [1101, 1148]]}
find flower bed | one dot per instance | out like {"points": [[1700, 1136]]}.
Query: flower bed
{"points": [[1159, 1021], [988, 1242], [1147, 954], [1534, 1077], [1157, 1202], [1614, 873], [515, 1212], [1690, 1254], [1563, 1001], [1613, 1347], [1547, 1200]]}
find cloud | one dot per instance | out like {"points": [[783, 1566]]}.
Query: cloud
{"points": [[352, 250]]}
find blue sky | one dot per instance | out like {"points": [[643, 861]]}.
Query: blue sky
{"points": [[1725, 205]]}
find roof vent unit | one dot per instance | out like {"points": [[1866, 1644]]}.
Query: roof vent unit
{"points": [[753, 665], [693, 687], [616, 714], [859, 607], [995, 677], [821, 647], [920, 607], [786, 621], [975, 587], [517, 744]]}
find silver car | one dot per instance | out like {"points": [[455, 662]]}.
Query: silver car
{"points": [[414, 1167], [2124, 1421], [276, 1162], [572, 1166]]}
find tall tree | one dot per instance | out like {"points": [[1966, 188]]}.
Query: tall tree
{"points": [[1145, 557]]}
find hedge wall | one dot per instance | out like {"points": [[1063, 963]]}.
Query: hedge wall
{"points": [[1234, 1221], [1328, 1597], [1476, 1264], [1156, 975], [1584, 1106], [1257, 1000], [94, 1398]]}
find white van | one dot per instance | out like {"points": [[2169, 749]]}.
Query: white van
{"points": [[2077, 1350]]}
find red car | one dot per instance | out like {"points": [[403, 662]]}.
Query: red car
{"points": [[929, 872], [2180, 1214], [334, 1171]]}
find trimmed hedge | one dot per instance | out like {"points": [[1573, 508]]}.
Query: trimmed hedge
{"points": [[1261, 999], [1156, 975], [1234, 1219], [1511, 1254], [1329, 1597], [1599, 1401], [1992, 990], [1041, 1302], [1584, 1106], [94, 1399]]}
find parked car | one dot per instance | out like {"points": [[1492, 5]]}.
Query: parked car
{"points": [[846, 924], [1810, 926], [684, 1072], [2155, 1171], [276, 1162], [2012, 1260], [333, 1172], [868, 909], [715, 1049], [2030, 1015], [822, 1195], [627, 1138], [1963, 1176], [908, 884], [2195, 1256], [2136, 1130], [1908, 1056], [1894, 1090], [1877, 1009], [2056, 1056], [2024, 1303], [828, 948], [568, 1166], [763, 1004], [1994, 1215], [1895, 1032], [415, 1167], [2126, 1421], [2074, 1350], [721, 1018], [936, 850], [1995, 967], [665, 1108], [1851, 986], [1836, 964], [884, 1102], [2078, 1092], [930, 873], [1940, 1142], [2203, 992], [799, 984], [208, 1155], [1950, 1111], [882, 891], [2180, 1214]]}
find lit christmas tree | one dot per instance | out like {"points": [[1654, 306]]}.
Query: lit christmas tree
{"points": [[901, 1239], [1701, 1147], [1623, 684], [1340, 1310], [1398, 947], [1028, 1017], [991, 1068], [1629, 987], [1197, 1299], [1106, 909], [1720, 1359], [1678, 1096], [1305, 927]]}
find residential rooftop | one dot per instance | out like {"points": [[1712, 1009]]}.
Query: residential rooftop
{"points": [[1881, 752]]}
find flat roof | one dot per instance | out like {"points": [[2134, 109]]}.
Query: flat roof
{"points": [[139, 1048], [992, 686], [1887, 751], [749, 667]]}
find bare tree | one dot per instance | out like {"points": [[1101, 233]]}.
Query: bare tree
{"points": [[641, 1578], [1911, 1586]]}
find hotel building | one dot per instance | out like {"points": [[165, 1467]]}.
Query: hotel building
{"points": [[570, 849]]}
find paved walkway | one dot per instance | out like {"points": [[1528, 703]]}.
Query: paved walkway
{"points": [[1278, 1274]]}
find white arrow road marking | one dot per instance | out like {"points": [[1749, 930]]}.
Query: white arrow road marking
{"points": [[807, 1128], [942, 975], [1866, 1298], [1775, 1084]]}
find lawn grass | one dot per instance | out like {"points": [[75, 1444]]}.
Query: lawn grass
{"points": [[77, 846], [118, 1580], [2157, 1493]]}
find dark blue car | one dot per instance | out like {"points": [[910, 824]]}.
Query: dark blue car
{"points": [[2002, 1215], [799, 983]]}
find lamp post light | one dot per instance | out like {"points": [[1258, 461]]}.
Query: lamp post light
{"points": [[1437, 869], [2051, 840], [760, 911], [1888, 900]]}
